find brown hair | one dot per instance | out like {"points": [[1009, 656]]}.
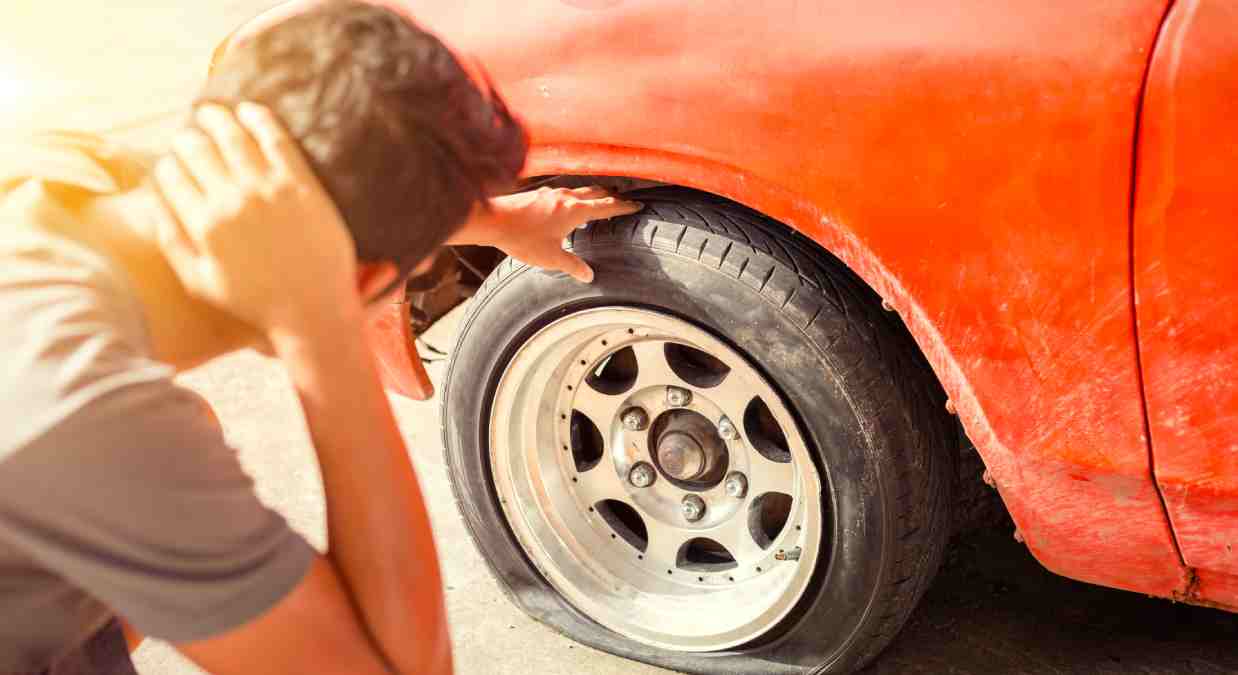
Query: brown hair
{"points": [[404, 141]]}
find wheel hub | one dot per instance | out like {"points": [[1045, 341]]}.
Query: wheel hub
{"points": [[680, 456], [689, 450]]}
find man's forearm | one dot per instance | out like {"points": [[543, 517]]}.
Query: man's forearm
{"points": [[378, 527]]}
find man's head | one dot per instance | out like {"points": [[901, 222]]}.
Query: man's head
{"points": [[402, 138]]}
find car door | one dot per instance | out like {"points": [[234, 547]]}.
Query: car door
{"points": [[1186, 284]]}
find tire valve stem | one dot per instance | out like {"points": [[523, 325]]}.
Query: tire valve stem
{"points": [[793, 554]]}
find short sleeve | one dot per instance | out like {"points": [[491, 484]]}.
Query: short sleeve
{"points": [[138, 500]]}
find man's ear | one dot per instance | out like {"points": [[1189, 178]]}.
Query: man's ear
{"points": [[375, 277]]}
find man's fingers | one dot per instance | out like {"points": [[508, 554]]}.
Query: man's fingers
{"points": [[176, 187], [590, 192], [200, 158], [177, 246], [280, 151], [173, 240], [611, 207], [240, 152]]}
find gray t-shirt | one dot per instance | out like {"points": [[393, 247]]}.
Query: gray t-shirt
{"points": [[118, 493]]}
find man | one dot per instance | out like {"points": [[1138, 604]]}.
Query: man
{"points": [[333, 153]]}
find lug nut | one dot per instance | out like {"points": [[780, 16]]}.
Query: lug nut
{"points": [[642, 475], [693, 508], [727, 430], [678, 398], [635, 419], [736, 485]]}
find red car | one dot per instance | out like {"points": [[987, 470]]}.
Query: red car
{"points": [[735, 451]]}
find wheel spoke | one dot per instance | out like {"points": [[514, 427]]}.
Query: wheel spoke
{"points": [[601, 408], [732, 395], [765, 475], [599, 483], [735, 535], [664, 544], [652, 367]]}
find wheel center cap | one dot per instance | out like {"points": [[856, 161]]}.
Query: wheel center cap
{"points": [[681, 456]]}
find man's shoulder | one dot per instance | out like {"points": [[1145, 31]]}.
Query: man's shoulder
{"points": [[77, 159], [71, 327], [69, 331]]}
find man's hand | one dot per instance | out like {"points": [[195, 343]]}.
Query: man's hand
{"points": [[530, 226], [248, 228], [251, 230]]}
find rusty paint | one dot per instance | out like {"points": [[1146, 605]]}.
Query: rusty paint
{"points": [[1214, 589]]}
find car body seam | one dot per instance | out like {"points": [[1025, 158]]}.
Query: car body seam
{"points": [[1189, 576]]}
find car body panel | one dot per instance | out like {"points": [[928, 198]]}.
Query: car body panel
{"points": [[1186, 283], [971, 161], [391, 338]]}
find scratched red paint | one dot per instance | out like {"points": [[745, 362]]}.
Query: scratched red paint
{"points": [[970, 160], [1186, 280]]}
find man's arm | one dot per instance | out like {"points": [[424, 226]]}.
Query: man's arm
{"points": [[379, 529], [233, 197], [314, 629], [381, 559]]}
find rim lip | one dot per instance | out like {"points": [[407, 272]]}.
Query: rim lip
{"points": [[522, 475]]}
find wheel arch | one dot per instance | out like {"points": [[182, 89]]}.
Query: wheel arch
{"points": [[1020, 479], [797, 214]]}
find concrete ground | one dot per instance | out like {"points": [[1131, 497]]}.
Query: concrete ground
{"points": [[128, 67]]}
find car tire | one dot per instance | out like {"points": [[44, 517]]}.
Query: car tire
{"points": [[865, 406]]}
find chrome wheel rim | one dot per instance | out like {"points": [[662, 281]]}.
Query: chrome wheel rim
{"points": [[720, 544]]}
